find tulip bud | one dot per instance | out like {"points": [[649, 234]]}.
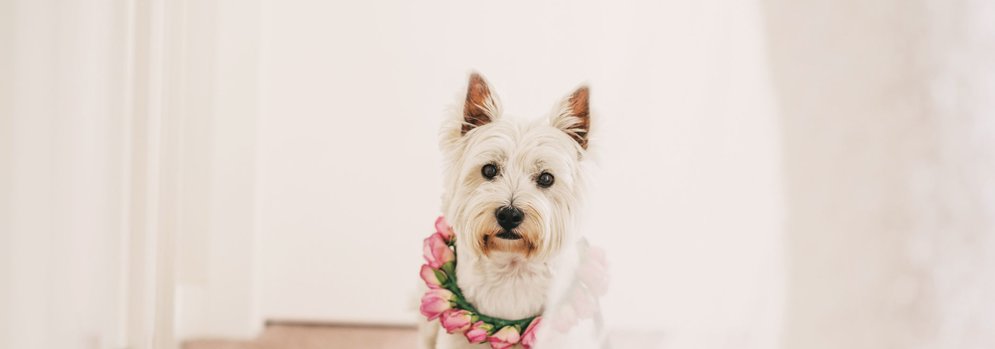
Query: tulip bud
{"points": [[434, 302]]}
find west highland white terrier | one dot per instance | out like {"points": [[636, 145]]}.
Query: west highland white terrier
{"points": [[512, 196]]}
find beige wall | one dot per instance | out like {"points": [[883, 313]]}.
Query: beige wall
{"points": [[216, 93]]}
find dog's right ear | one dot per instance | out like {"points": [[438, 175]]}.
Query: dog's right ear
{"points": [[481, 106]]}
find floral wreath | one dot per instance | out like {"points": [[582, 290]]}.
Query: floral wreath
{"points": [[445, 301]]}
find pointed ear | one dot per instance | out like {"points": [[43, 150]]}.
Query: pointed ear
{"points": [[481, 106], [574, 117]]}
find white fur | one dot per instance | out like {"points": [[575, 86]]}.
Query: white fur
{"points": [[504, 284]]}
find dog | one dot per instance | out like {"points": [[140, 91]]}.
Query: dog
{"points": [[513, 191]]}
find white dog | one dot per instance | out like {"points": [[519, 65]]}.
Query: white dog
{"points": [[512, 195]]}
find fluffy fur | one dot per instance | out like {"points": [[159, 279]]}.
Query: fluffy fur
{"points": [[510, 278]]}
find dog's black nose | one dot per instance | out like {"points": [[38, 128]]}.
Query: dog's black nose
{"points": [[509, 217]]}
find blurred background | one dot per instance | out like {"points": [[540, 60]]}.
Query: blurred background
{"points": [[259, 174]]}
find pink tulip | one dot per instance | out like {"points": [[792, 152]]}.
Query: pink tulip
{"points": [[583, 304], [442, 227], [455, 320], [436, 252], [594, 271], [434, 302], [430, 277], [478, 332], [565, 319], [529, 336], [597, 255], [504, 338]]}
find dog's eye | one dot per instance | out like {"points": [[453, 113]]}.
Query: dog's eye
{"points": [[489, 171], [545, 180]]}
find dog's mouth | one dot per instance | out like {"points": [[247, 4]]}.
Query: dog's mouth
{"points": [[508, 235], [507, 241]]}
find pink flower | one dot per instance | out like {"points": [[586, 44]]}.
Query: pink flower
{"points": [[529, 336], [504, 338], [436, 251], [566, 318], [434, 302], [594, 271], [431, 276], [442, 227], [583, 304], [478, 332], [455, 320]]}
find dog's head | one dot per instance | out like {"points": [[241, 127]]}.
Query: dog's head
{"points": [[513, 186]]}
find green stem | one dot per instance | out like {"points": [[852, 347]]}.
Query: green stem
{"points": [[461, 303]]}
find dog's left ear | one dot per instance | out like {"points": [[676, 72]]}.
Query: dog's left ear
{"points": [[574, 117]]}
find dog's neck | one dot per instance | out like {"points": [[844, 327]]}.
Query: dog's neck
{"points": [[504, 285]]}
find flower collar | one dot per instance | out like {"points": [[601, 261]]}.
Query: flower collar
{"points": [[445, 301]]}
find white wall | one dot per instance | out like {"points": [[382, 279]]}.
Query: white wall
{"points": [[688, 202]]}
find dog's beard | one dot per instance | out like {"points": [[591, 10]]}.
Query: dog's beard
{"points": [[534, 237]]}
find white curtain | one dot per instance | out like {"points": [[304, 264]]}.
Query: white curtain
{"points": [[888, 135], [64, 174], [102, 155]]}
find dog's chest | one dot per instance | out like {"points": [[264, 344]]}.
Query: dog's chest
{"points": [[509, 291]]}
